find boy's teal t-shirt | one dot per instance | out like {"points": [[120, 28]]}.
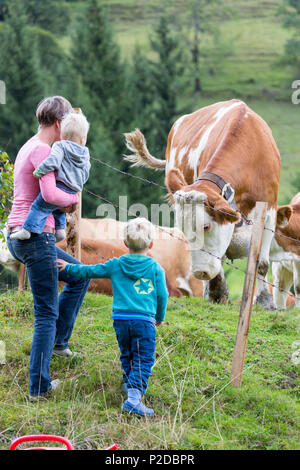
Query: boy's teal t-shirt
{"points": [[139, 285]]}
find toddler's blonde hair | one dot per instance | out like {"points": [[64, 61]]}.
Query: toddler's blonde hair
{"points": [[74, 127], [138, 234]]}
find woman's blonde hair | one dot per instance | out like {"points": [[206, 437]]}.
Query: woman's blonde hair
{"points": [[138, 234], [74, 126]]}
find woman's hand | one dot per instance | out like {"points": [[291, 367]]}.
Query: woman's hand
{"points": [[60, 264]]}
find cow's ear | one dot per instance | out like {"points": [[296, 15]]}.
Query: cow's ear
{"points": [[175, 180], [224, 214], [284, 214]]}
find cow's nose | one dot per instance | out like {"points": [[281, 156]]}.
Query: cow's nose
{"points": [[203, 275]]}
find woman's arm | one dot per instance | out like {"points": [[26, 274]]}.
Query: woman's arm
{"points": [[49, 191], [54, 195], [51, 163]]}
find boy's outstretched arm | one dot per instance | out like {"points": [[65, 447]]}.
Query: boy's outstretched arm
{"points": [[86, 271], [162, 296]]}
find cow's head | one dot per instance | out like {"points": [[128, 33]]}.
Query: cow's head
{"points": [[214, 228], [288, 229]]}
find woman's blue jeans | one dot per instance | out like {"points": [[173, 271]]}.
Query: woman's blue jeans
{"points": [[54, 315]]}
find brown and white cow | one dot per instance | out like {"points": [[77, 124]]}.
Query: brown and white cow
{"points": [[6, 258], [170, 249], [285, 256], [233, 144]]}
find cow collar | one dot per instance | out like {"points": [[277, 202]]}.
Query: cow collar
{"points": [[227, 193]]}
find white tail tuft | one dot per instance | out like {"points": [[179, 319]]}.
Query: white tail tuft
{"points": [[136, 143]]}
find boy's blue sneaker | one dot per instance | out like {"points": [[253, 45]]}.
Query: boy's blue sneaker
{"points": [[139, 409]]}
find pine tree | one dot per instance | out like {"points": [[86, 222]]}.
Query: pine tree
{"points": [[19, 71], [59, 77], [167, 73], [3, 9], [290, 12], [51, 15], [96, 57], [102, 96], [142, 96], [142, 92]]}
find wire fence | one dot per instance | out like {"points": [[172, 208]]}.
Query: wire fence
{"points": [[213, 327], [288, 372], [221, 259]]}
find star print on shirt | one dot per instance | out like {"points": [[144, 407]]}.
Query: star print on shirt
{"points": [[143, 286]]}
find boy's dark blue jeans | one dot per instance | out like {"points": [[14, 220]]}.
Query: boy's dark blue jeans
{"points": [[54, 315], [136, 340], [40, 211]]}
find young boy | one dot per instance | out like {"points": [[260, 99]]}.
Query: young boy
{"points": [[70, 159], [140, 298]]}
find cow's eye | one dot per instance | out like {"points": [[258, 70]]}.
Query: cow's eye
{"points": [[207, 228]]}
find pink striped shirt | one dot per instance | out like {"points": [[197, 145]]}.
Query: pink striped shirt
{"points": [[27, 187]]}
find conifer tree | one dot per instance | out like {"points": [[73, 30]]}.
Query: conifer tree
{"points": [[167, 74], [290, 12], [51, 15], [102, 96], [19, 71], [96, 57]]}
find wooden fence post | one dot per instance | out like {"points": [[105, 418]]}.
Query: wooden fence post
{"points": [[73, 231], [22, 274], [248, 294]]}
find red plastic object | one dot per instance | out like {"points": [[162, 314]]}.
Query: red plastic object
{"points": [[42, 437], [113, 447]]}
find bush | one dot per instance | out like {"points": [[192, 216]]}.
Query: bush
{"points": [[6, 189]]}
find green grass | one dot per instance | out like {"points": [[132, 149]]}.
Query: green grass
{"points": [[189, 390]]}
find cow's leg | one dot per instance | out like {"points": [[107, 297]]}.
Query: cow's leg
{"points": [[216, 290], [282, 279], [264, 297], [296, 272]]}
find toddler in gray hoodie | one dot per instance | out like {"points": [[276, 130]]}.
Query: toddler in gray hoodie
{"points": [[70, 160]]}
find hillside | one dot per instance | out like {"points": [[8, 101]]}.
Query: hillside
{"points": [[195, 406], [252, 35]]}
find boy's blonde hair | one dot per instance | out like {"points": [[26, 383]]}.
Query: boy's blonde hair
{"points": [[138, 234], [74, 126]]}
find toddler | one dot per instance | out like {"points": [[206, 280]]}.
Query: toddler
{"points": [[70, 159], [140, 298]]}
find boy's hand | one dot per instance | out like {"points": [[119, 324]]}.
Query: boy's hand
{"points": [[158, 323], [60, 264]]}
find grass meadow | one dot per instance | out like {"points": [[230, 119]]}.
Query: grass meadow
{"points": [[195, 406]]}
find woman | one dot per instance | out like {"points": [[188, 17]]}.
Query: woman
{"points": [[55, 314]]}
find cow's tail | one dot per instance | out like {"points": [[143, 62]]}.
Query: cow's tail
{"points": [[136, 143]]}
